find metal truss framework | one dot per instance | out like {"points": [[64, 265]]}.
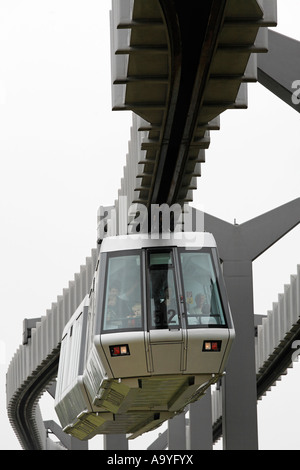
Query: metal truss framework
{"points": [[34, 365]]}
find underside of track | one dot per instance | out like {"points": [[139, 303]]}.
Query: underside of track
{"points": [[178, 66]]}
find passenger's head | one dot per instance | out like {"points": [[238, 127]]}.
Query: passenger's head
{"points": [[200, 300]]}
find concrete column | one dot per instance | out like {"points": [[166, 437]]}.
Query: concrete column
{"points": [[115, 442], [239, 423], [176, 433], [239, 246], [200, 428]]}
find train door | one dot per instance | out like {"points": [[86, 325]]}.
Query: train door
{"points": [[166, 332]]}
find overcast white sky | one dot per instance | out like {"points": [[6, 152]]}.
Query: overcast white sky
{"points": [[62, 153]]}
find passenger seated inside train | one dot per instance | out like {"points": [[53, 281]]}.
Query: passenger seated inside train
{"points": [[201, 307], [135, 317], [117, 309], [202, 310], [200, 313]]}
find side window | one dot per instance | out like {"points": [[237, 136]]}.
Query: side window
{"points": [[162, 291], [123, 301], [202, 296]]}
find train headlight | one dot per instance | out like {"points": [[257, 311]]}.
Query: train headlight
{"points": [[119, 350], [212, 346]]}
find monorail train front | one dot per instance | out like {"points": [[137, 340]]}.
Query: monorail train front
{"points": [[152, 336]]}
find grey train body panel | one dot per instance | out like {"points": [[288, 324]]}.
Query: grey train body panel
{"points": [[153, 334]]}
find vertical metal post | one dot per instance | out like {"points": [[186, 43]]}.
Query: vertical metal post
{"points": [[115, 442], [176, 433], [239, 246], [239, 391], [200, 425]]}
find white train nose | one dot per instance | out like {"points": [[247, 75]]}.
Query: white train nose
{"points": [[153, 334]]}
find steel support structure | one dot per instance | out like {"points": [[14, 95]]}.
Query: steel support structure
{"points": [[115, 442], [239, 246], [200, 435], [279, 70], [68, 442]]}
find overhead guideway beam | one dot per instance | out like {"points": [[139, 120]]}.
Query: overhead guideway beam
{"points": [[177, 67], [193, 33]]}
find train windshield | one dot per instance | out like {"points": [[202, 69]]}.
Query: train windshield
{"points": [[163, 293], [203, 303], [123, 306]]}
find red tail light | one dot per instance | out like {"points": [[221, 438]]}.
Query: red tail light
{"points": [[212, 346], [119, 350]]}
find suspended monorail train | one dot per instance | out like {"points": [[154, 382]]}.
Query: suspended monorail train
{"points": [[153, 334]]}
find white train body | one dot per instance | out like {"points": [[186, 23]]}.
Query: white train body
{"points": [[152, 336]]}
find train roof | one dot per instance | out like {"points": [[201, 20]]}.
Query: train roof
{"points": [[138, 241]]}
